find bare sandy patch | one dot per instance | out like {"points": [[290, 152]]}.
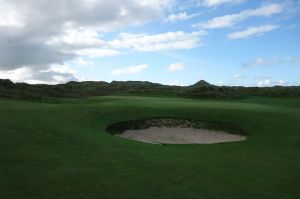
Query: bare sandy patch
{"points": [[175, 135]]}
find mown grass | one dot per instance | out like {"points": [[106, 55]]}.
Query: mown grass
{"points": [[60, 149]]}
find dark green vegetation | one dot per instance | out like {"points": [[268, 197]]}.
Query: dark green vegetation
{"points": [[61, 150], [201, 89]]}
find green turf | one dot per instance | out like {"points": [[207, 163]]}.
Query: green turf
{"points": [[60, 150]]}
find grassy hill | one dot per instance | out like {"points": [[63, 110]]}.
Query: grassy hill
{"points": [[201, 89]]}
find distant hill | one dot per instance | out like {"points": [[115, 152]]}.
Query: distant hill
{"points": [[201, 83], [201, 89]]}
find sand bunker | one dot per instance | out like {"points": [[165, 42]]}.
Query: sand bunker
{"points": [[175, 135], [177, 131]]}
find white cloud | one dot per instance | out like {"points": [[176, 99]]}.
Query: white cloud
{"points": [[82, 42], [87, 42], [175, 67], [130, 70], [181, 17], [259, 62], [232, 19], [211, 3], [97, 52], [76, 37], [53, 75], [82, 62], [239, 76], [176, 83], [252, 31], [269, 82], [263, 83], [9, 16], [19, 74], [41, 34], [60, 69], [164, 41]]}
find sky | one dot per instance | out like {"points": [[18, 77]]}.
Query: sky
{"points": [[175, 42]]}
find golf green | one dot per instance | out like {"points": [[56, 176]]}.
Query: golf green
{"points": [[60, 149]]}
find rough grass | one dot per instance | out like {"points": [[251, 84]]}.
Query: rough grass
{"points": [[60, 150]]}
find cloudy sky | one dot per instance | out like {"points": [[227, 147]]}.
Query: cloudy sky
{"points": [[225, 42]]}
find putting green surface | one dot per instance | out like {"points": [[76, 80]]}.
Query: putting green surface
{"points": [[60, 150]]}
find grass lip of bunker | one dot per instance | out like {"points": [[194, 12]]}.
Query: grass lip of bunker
{"points": [[177, 131]]}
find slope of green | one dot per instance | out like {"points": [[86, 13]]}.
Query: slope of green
{"points": [[61, 150]]}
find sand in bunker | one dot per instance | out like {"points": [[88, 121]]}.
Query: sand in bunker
{"points": [[173, 135]]}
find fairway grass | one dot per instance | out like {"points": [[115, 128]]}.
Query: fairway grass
{"points": [[60, 149]]}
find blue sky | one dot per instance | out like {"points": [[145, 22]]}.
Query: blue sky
{"points": [[225, 42]]}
